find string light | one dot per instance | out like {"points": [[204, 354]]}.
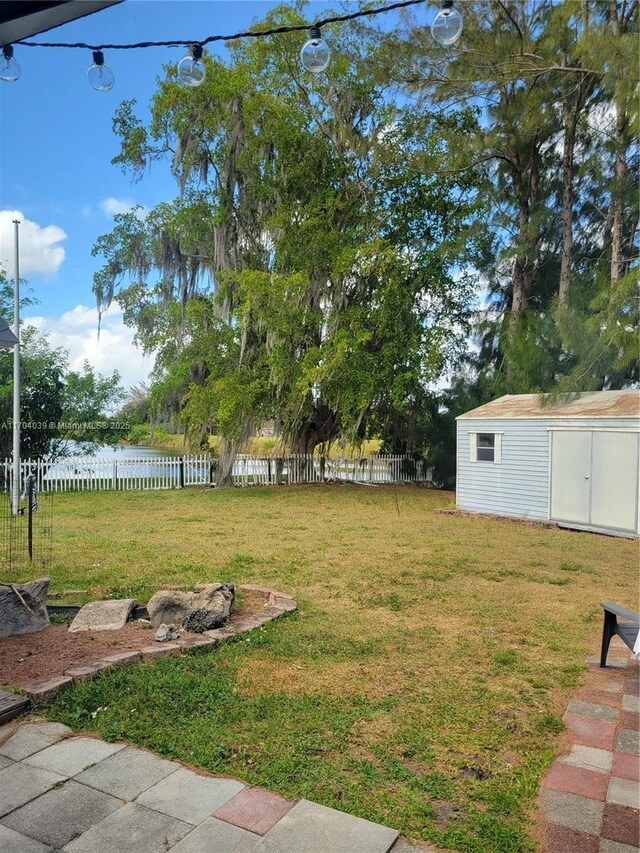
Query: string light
{"points": [[9, 65], [101, 77], [447, 24], [314, 55], [191, 70]]}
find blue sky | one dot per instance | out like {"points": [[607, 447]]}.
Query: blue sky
{"points": [[56, 146]]}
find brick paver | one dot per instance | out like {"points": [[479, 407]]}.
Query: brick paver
{"points": [[605, 713], [628, 741], [213, 834], [589, 758], [626, 766], [571, 811], [189, 796], [61, 814], [19, 784], [629, 720], [624, 792], [69, 757], [30, 738], [131, 829], [310, 827], [577, 780], [15, 842], [590, 732], [255, 810], [608, 846], [570, 841], [590, 798], [621, 824], [127, 773]]}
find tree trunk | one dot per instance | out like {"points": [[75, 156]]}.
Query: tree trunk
{"points": [[519, 279], [570, 120], [229, 451], [620, 169], [620, 175]]}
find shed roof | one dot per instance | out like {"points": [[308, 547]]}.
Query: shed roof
{"points": [[595, 404]]}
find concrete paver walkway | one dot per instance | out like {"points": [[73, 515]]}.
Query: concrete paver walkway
{"points": [[590, 798], [83, 795]]}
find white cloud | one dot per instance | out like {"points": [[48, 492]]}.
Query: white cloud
{"points": [[77, 332], [111, 206], [39, 249]]}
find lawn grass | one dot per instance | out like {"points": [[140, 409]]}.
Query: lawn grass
{"points": [[422, 682]]}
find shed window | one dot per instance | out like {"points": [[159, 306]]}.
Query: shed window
{"points": [[485, 447]]}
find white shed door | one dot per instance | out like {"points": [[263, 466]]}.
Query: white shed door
{"points": [[614, 480], [594, 478], [570, 476]]}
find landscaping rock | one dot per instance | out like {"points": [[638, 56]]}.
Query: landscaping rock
{"points": [[15, 618], [103, 615], [166, 633], [200, 611], [43, 690]]}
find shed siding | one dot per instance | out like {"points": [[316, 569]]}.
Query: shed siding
{"points": [[519, 486]]}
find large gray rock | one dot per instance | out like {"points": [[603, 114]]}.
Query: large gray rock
{"points": [[109, 615], [15, 618], [200, 611]]}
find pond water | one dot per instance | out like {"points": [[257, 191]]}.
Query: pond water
{"points": [[124, 451]]}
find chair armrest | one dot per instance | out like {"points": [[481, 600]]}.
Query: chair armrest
{"points": [[617, 610]]}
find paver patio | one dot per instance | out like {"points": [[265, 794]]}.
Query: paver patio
{"points": [[590, 798], [78, 794]]}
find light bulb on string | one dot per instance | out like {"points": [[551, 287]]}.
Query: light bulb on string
{"points": [[9, 65], [447, 24], [191, 69], [315, 53], [101, 77]]}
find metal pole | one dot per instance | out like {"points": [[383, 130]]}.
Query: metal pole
{"points": [[29, 490], [15, 503]]}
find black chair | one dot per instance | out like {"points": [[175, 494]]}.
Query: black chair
{"points": [[627, 630]]}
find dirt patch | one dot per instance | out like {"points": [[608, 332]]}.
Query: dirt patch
{"points": [[28, 657], [50, 652]]}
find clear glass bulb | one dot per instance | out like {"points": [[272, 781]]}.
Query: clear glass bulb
{"points": [[315, 54], [447, 26], [9, 67], [191, 71], [101, 77]]}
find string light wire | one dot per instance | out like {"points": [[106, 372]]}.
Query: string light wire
{"points": [[361, 13]]}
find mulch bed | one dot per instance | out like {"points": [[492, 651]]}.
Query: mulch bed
{"points": [[28, 657]]}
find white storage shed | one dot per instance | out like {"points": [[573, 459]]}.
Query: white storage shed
{"points": [[576, 463]]}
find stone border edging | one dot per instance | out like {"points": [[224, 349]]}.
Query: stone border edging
{"points": [[44, 690]]}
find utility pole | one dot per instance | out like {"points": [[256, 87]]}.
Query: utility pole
{"points": [[15, 495]]}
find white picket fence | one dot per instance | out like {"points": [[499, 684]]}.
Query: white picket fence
{"points": [[99, 473]]}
